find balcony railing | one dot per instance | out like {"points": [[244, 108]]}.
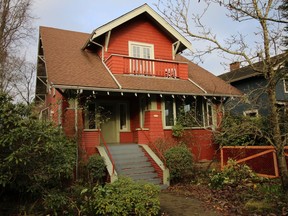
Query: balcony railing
{"points": [[120, 64]]}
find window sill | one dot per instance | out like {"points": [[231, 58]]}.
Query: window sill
{"points": [[142, 129], [91, 130]]}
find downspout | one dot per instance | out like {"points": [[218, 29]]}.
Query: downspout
{"points": [[76, 136], [102, 49], [102, 58]]}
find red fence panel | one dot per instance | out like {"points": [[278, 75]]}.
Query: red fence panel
{"points": [[261, 159]]}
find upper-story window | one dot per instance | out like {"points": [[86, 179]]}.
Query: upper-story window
{"points": [[139, 64], [286, 84], [251, 113], [141, 50]]}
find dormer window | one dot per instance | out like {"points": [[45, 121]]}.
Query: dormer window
{"points": [[141, 50]]}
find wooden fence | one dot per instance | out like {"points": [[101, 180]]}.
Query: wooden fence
{"points": [[261, 159]]}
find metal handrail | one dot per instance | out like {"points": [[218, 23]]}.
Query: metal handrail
{"points": [[108, 152], [158, 151]]}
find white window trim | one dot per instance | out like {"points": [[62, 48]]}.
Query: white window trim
{"points": [[131, 43], [247, 112], [212, 117], [284, 83], [163, 113], [175, 116]]}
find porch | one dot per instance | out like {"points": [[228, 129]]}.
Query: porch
{"points": [[143, 119]]}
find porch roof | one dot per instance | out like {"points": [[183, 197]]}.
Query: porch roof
{"points": [[70, 67]]}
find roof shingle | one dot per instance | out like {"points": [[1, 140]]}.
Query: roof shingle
{"points": [[68, 65]]}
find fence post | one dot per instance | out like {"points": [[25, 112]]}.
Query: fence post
{"points": [[222, 159], [275, 164]]}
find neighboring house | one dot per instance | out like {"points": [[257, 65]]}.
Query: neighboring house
{"points": [[253, 85], [127, 81]]}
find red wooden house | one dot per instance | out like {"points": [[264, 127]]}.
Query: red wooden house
{"points": [[127, 81]]}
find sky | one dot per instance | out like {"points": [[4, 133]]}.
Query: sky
{"points": [[87, 15]]}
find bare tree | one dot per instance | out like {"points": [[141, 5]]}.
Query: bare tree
{"points": [[269, 27], [284, 9], [25, 82], [15, 28]]}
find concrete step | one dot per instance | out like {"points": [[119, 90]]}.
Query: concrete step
{"points": [[134, 155], [143, 170], [122, 149], [131, 166], [142, 176], [131, 161]]}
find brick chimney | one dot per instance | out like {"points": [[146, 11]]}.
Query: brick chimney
{"points": [[234, 66]]}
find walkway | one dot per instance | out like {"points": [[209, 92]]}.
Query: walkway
{"points": [[179, 205]]}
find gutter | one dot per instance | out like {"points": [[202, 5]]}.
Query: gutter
{"points": [[140, 91]]}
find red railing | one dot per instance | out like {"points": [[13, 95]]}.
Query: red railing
{"points": [[155, 148], [151, 67], [121, 64], [108, 152]]}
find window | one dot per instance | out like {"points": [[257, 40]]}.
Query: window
{"points": [[190, 112], [141, 50], [123, 116], [251, 113], [90, 115], [139, 65], [209, 115], [285, 84], [145, 104], [169, 112], [96, 114]]}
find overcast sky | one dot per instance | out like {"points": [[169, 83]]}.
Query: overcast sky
{"points": [[86, 15]]}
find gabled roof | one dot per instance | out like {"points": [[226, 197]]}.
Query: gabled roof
{"points": [[144, 9], [70, 67], [248, 72]]}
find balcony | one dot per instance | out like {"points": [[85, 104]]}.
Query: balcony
{"points": [[120, 64]]}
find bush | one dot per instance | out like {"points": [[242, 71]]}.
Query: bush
{"points": [[233, 175], [242, 131], [180, 163], [33, 155], [178, 130], [56, 202], [96, 168], [123, 197]]}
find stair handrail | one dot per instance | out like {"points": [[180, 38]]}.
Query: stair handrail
{"points": [[108, 152], [155, 147]]}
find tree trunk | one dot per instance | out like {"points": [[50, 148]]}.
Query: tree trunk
{"points": [[278, 142], [282, 164]]}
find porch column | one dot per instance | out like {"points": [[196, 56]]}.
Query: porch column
{"points": [[153, 120]]}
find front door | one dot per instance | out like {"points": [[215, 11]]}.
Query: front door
{"points": [[109, 126]]}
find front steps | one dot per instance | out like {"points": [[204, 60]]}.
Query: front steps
{"points": [[131, 161]]}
